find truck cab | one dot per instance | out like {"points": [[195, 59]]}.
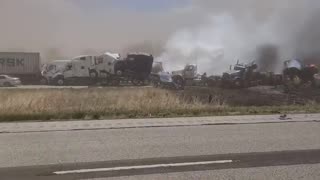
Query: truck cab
{"points": [[84, 66], [189, 72], [240, 76], [187, 76], [105, 63], [56, 71]]}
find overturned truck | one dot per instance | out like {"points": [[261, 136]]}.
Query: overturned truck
{"points": [[246, 75], [162, 79]]}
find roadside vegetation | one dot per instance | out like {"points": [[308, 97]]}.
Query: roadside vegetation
{"points": [[107, 103]]}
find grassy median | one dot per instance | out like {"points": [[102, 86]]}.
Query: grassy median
{"points": [[109, 103]]}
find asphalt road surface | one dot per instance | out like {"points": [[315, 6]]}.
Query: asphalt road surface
{"points": [[270, 150]]}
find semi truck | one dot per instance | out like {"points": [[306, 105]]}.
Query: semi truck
{"points": [[105, 69], [247, 75], [24, 65], [189, 76]]}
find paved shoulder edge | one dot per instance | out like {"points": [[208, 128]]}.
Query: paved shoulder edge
{"points": [[152, 122]]}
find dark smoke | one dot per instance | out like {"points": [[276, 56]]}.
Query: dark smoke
{"points": [[308, 40], [267, 57]]}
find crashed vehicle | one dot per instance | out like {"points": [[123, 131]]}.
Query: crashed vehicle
{"points": [[164, 80], [136, 68], [105, 69], [189, 76], [80, 70], [160, 78], [241, 76], [77, 71], [296, 73]]}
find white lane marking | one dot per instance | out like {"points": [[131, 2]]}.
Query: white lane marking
{"points": [[142, 167]]}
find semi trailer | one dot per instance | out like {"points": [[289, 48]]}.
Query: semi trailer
{"points": [[24, 65]]}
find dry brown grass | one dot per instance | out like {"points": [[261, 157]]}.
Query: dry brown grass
{"points": [[47, 104], [70, 103]]}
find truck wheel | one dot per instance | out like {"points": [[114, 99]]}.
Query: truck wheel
{"points": [[119, 73], [178, 81], [60, 82], [155, 82]]}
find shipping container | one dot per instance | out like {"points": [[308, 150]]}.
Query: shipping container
{"points": [[25, 65]]}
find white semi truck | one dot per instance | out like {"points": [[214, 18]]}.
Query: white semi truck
{"points": [[78, 70], [107, 68]]}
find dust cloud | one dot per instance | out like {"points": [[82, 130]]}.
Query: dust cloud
{"points": [[64, 28], [268, 32], [210, 33]]}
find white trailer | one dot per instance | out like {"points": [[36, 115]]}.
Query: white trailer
{"points": [[25, 65]]}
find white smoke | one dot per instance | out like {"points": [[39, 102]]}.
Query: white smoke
{"points": [[234, 30], [210, 33], [212, 46]]}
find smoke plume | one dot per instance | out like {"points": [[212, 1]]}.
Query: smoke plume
{"points": [[268, 32], [210, 33]]}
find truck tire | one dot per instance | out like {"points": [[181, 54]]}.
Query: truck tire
{"points": [[119, 73], [179, 82], [60, 81], [155, 82]]}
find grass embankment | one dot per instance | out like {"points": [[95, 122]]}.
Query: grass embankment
{"points": [[54, 104]]}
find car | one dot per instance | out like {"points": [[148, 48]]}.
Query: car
{"points": [[8, 81]]}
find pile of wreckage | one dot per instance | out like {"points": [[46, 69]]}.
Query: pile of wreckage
{"points": [[295, 74]]}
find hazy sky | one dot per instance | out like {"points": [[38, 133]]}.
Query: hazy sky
{"points": [[132, 5], [212, 33], [69, 27]]}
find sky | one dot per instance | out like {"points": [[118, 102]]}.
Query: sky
{"points": [[132, 5], [211, 33], [65, 28]]}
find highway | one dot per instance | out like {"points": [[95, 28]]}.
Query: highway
{"points": [[242, 147]]}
